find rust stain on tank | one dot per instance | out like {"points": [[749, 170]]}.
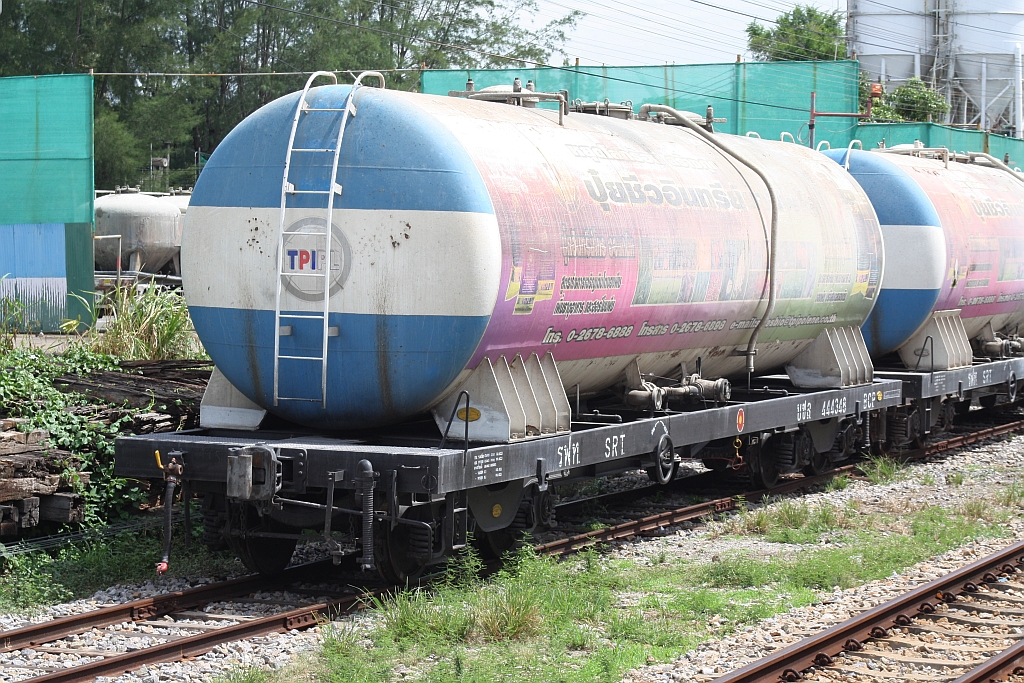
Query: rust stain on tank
{"points": [[383, 353], [252, 355]]}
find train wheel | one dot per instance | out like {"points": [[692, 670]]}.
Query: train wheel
{"points": [[391, 554], [881, 448], [819, 462], [494, 544], [267, 556], [764, 470]]}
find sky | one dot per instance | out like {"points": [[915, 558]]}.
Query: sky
{"points": [[638, 32]]}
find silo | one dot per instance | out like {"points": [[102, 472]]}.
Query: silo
{"points": [[985, 33], [894, 40]]}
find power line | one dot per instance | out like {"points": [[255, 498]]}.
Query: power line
{"points": [[520, 60]]}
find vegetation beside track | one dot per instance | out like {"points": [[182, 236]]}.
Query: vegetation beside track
{"points": [[32, 581], [151, 324], [595, 616]]}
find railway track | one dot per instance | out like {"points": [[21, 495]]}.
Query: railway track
{"points": [[174, 626], [967, 627]]}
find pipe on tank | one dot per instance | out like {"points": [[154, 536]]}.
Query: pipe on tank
{"points": [[774, 231]]}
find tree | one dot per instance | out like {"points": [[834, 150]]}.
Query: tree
{"points": [[805, 33], [240, 37], [119, 156], [915, 101]]}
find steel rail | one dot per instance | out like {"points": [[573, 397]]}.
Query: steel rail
{"points": [[191, 646], [138, 610], [821, 648], [1006, 663], [312, 615], [571, 544], [626, 529]]}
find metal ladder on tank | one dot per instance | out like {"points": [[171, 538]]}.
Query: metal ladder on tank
{"points": [[288, 189]]}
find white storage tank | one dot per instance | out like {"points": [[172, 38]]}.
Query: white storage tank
{"points": [[150, 229], [179, 198], [894, 39], [985, 38]]}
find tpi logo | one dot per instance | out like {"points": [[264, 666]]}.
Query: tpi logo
{"points": [[303, 259]]}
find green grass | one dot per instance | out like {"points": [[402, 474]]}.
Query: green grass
{"points": [[790, 521], [151, 324], [29, 581], [864, 557], [837, 483], [591, 618], [883, 470]]}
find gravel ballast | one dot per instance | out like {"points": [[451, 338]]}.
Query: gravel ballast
{"points": [[984, 469]]}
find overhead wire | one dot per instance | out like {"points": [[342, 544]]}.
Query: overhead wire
{"points": [[520, 60]]}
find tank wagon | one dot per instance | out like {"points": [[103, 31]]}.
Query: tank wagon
{"points": [[436, 309], [952, 294]]}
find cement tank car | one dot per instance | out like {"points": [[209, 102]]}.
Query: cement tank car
{"points": [[569, 294], [468, 233]]}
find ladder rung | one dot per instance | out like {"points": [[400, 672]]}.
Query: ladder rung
{"points": [[303, 232], [318, 359], [303, 316], [309, 191], [310, 109], [296, 398], [312, 149]]}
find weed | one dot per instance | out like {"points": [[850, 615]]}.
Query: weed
{"points": [[954, 478], [146, 323], [792, 514], [417, 613], [26, 390], [12, 319], [829, 517], [928, 479], [509, 612], [976, 509], [868, 557], [249, 674], [883, 470], [33, 579], [837, 483], [1012, 496], [594, 617]]}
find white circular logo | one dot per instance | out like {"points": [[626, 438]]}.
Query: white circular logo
{"points": [[306, 259]]}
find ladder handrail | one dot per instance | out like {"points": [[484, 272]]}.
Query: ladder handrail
{"points": [[286, 189], [280, 232]]}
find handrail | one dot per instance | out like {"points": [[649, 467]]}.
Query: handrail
{"points": [[783, 134], [451, 419], [773, 238], [753, 134], [849, 152], [998, 163], [920, 353], [824, 142]]}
